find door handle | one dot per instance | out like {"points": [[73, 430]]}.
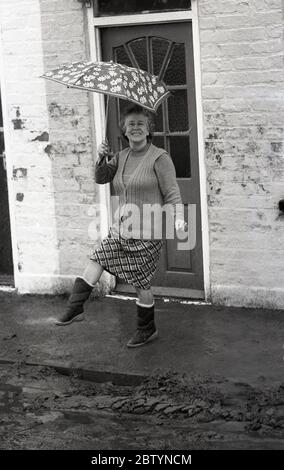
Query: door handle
{"points": [[3, 156]]}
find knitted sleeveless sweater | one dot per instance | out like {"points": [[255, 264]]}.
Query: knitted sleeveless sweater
{"points": [[133, 202]]}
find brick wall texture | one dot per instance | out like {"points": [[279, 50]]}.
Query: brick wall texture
{"points": [[241, 46], [51, 145], [50, 140]]}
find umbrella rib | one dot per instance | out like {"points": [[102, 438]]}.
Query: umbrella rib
{"points": [[83, 72]]}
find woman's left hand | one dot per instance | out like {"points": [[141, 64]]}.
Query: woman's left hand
{"points": [[181, 225]]}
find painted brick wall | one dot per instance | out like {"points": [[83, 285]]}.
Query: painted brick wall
{"points": [[49, 143], [243, 104]]}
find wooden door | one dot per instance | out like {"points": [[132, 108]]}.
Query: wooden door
{"points": [[166, 50]]}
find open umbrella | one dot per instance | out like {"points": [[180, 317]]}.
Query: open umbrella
{"points": [[114, 79]]}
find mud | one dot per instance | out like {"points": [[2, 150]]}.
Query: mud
{"points": [[41, 409]]}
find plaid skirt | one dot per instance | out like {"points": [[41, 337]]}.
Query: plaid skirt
{"points": [[134, 261]]}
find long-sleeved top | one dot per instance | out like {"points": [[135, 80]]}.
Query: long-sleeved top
{"points": [[151, 187]]}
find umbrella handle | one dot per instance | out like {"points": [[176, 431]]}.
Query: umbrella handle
{"points": [[106, 122], [106, 116]]}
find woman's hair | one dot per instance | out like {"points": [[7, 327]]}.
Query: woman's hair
{"points": [[136, 109]]}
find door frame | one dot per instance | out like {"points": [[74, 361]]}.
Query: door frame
{"points": [[9, 171], [94, 25]]}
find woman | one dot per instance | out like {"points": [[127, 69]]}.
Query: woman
{"points": [[142, 174]]}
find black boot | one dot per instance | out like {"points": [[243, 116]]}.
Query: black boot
{"points": [[75, 310], [146, 328]]}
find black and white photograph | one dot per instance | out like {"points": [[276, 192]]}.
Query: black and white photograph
{"points": [[142, 230]]}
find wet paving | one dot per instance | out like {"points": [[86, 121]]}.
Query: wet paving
{"points": [[42, 409]]}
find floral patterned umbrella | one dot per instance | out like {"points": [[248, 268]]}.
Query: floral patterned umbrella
{"points": [[114, 79]]}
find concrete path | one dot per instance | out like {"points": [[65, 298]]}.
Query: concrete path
{"points": [[236, 343]]}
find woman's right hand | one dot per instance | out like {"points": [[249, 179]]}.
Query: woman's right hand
{"points": [[103, 150]]}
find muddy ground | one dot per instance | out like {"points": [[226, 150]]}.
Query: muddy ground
{"points": [[42, 409]]}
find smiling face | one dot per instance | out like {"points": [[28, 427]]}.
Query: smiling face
{"points": [[136, 128]]}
